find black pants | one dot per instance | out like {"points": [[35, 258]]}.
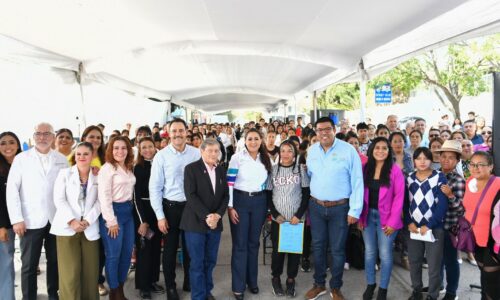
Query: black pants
{"points": [[490, 274], [306, 249], [148, 259], [31, 249], [173, 213], [278, 258], [102, 261]]}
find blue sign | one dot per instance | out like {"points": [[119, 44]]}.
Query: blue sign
{"points": [[383, 94]]}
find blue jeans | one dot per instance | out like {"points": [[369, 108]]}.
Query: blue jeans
{"points": [[377, 244], [118, 250], [451, 265], [328, 228], [7, 267], [246, 240], [202, 248]]}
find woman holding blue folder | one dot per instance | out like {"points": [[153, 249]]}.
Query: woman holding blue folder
{"points": [[288, 184]]}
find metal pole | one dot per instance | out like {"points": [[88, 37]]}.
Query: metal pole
{"points": [[362, 100], [295, 107], [496, 122], [79, 79], [315, 108]]}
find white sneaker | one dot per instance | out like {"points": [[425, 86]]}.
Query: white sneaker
{"points": [[346, 266], [460, 261]]}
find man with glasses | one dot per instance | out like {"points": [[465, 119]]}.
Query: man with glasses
{"points": [[166, 193], [470, 131], [434, 133], [31, 208], [336, 202]]}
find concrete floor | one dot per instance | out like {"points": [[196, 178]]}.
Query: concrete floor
{"points": [[354, 280]]}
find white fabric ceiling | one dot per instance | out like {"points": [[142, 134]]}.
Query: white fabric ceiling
{"points": [[220, 55]]}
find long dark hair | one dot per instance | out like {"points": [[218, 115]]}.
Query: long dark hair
{"points": [[264, 156], [101, 151], [4, 165], [291, 144], [140, 159], [385, 173]]}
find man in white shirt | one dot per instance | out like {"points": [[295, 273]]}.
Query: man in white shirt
{"points": [[31, 208]]}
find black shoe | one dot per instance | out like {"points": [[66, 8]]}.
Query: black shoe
{"points": [[277, 287], [290, 288], [449, 296], [369, 291], [416, 296], [210, 297], [430, 298], [254, 290], [186, 287], [157, 289], [306, 265], [238, 296], [172, 294], [441, 289], [145, 294], [382, 294]]}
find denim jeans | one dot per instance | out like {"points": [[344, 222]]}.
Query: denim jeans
{"points": [[203, 248], [450, 265], [329, 228], [118, 250], [245, 235], [7, 267], [377, 244]]}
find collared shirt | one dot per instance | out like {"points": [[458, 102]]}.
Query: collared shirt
{"points": [[245, 174], [167, 176], [477, 139], [336, 174], [211, 174], [115, 185], [455, 207], [407, 163]]}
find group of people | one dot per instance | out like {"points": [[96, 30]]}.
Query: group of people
{"points": [[93, 204]]}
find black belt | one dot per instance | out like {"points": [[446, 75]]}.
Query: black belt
{"points": [[249, 194], [173, 203], [330, 203]]}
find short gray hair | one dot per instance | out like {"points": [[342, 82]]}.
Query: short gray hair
{"points": [[51, 128], [209, 142]]}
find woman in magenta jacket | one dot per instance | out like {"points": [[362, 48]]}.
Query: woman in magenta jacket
{"points": [[381, 216]]}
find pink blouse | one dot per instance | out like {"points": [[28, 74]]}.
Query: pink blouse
{"points": [[115, 185]]}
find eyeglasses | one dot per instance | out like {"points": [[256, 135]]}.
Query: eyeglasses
{"points": [[478, 165], [43, 134], [327, 129]]}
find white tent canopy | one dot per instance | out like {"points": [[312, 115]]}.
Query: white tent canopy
{"points": [[221, 55]]}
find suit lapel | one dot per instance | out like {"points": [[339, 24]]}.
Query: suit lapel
{"points": [[206, 175]]}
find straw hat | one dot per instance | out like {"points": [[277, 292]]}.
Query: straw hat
{"points": [[451, 146]]}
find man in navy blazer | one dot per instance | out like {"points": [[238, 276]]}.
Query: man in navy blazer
{"points": [[207, 196]]}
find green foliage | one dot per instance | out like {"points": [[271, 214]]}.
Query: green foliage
{"points": [[340, 96]]}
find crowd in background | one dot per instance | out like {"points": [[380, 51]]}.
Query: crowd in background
{"points": [[109, 202]]}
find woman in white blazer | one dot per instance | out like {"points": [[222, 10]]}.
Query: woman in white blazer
{"points": [[77, 228]]}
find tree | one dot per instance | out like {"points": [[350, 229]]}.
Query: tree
{"points": [[453, 72], [340, 96]]}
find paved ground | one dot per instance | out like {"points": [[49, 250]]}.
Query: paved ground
{"points": [[354, 281]]}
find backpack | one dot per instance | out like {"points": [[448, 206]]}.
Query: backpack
{"points": [[355, 248]]}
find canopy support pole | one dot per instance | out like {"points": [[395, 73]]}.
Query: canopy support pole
{"points": [[295, 107], [362, 91], [496, 122], [315, 108], [79, 78]]}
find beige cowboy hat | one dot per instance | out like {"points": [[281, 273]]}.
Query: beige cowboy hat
{"points": [[451, 146]]}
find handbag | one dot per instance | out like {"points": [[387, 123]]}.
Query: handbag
{"points": [[462, 235]]}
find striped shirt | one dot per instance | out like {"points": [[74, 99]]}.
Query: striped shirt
{"points": [[245, 174], [286, 183]]}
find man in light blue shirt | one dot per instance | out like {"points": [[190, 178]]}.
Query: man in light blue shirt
{"points": [[336, 202], [166, 193]]}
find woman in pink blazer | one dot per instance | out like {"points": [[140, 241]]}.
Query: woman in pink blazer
{"points": [[381, 216]]}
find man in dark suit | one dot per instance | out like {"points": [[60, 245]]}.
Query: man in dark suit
{"points": [[207, 196]]}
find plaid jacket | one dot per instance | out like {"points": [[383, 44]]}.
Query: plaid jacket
{"points": [[455, 207]]}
